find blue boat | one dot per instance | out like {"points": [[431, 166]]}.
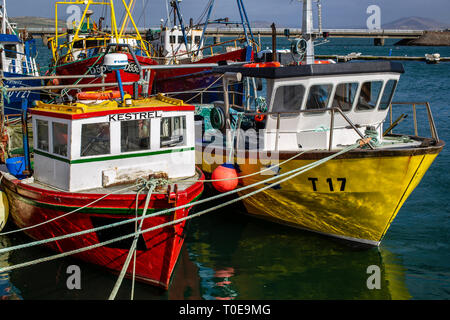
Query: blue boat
{"points": [[17, 59]]}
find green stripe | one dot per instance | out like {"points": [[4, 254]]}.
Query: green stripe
{"points": [[48, 155], [120, 156]]}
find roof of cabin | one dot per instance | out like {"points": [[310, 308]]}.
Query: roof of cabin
{"points": [[81, 110], [315, 69], [9, 38]]}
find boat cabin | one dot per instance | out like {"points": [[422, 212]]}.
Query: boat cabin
{"points": [[96, 144], [169, 43], [87, 46], [301, 102], [16, 56]]}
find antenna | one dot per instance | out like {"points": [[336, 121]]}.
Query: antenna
{"points": [[307, 30]]}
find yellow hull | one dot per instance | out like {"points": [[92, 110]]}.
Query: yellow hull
{"points": [[352, 197]]}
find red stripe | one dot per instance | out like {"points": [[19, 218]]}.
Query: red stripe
{"points": [[109, 112]]}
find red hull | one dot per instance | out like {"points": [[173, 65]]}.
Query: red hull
{"points": [[157, 251], [84, 67], [179, 80]]}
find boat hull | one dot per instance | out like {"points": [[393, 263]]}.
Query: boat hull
{"points": [[189, 79], [355, 196], [157, 251], [13, 104]]}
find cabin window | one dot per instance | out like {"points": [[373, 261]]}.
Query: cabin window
{"points": [[368, 98], [197, 39], [135, 135], [318, 97], [10, 51], [345, 96], [42, 134], [92, 43], [173, 132], [388, 94], [95, 139], [180, 39], [172, 39], [78, 44], [288, 99], [60, 139]]}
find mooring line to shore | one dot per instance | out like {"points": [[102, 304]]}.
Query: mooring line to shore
{"points": [[251, 174], [68, 213], [293, 173], [132, 250], [128, 221]]}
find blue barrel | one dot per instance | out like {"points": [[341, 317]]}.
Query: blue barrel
{"points": [[16, 166]]}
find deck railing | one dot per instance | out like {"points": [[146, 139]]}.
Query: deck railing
{"points": [[414, 105]]}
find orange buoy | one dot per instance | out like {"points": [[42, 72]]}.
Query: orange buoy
{"points": [[228, 172], [259, 117], [98, 95], [272, 64]]}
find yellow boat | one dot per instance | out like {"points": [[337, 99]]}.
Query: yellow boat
{"points": [[304, 116], [320, 127]]}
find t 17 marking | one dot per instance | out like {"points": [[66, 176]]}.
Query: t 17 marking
{"points": [[315, 182]]}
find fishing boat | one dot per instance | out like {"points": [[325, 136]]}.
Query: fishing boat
{"points": [[82, 48], [179, 43], [324, 134], [107, 158], [17, 59]]}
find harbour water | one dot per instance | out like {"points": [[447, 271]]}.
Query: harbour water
{"points": [[230, 256]]}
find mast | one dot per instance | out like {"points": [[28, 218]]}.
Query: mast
{"points": [[4, 17], [307, 30]]}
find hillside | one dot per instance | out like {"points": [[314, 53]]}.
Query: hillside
{"points": [[35, 22], [416, 23]]}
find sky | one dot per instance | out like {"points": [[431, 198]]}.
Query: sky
{"points": [[335, 13]]}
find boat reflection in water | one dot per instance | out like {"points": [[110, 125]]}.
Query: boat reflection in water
{"points": [[7, 290], [241, 257], [226, 256]]}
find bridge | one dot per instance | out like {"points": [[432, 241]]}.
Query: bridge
{"points": [[378, 34]]}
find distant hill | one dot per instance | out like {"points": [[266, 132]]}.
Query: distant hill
{"points": [[416, 23], [35, 22]]}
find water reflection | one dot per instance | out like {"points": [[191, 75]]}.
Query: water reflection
{"points": [[240, 257], [7, 290], [226, 256]]}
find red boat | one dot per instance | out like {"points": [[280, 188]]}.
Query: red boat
{"points": [[93, 150], [190, 79], [94, 66]]}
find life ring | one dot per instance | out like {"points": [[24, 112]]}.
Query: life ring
{"points": [[272, 64], [323, 62], [98, 95], [259, 117]]}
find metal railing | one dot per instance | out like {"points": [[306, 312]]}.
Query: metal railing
{"points": [[414, 105], [332, 110]]}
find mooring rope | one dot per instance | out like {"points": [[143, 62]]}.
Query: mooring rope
{"points": [[250, 174], [151, 186], [68, 213], [127, 221], [116, 224], [293, 173]]}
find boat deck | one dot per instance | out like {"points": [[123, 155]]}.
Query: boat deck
{"points": [[182, 184], [388, 142]]}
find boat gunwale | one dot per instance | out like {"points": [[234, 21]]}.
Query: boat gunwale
{"points": [[426, 147], [64, 198]]}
